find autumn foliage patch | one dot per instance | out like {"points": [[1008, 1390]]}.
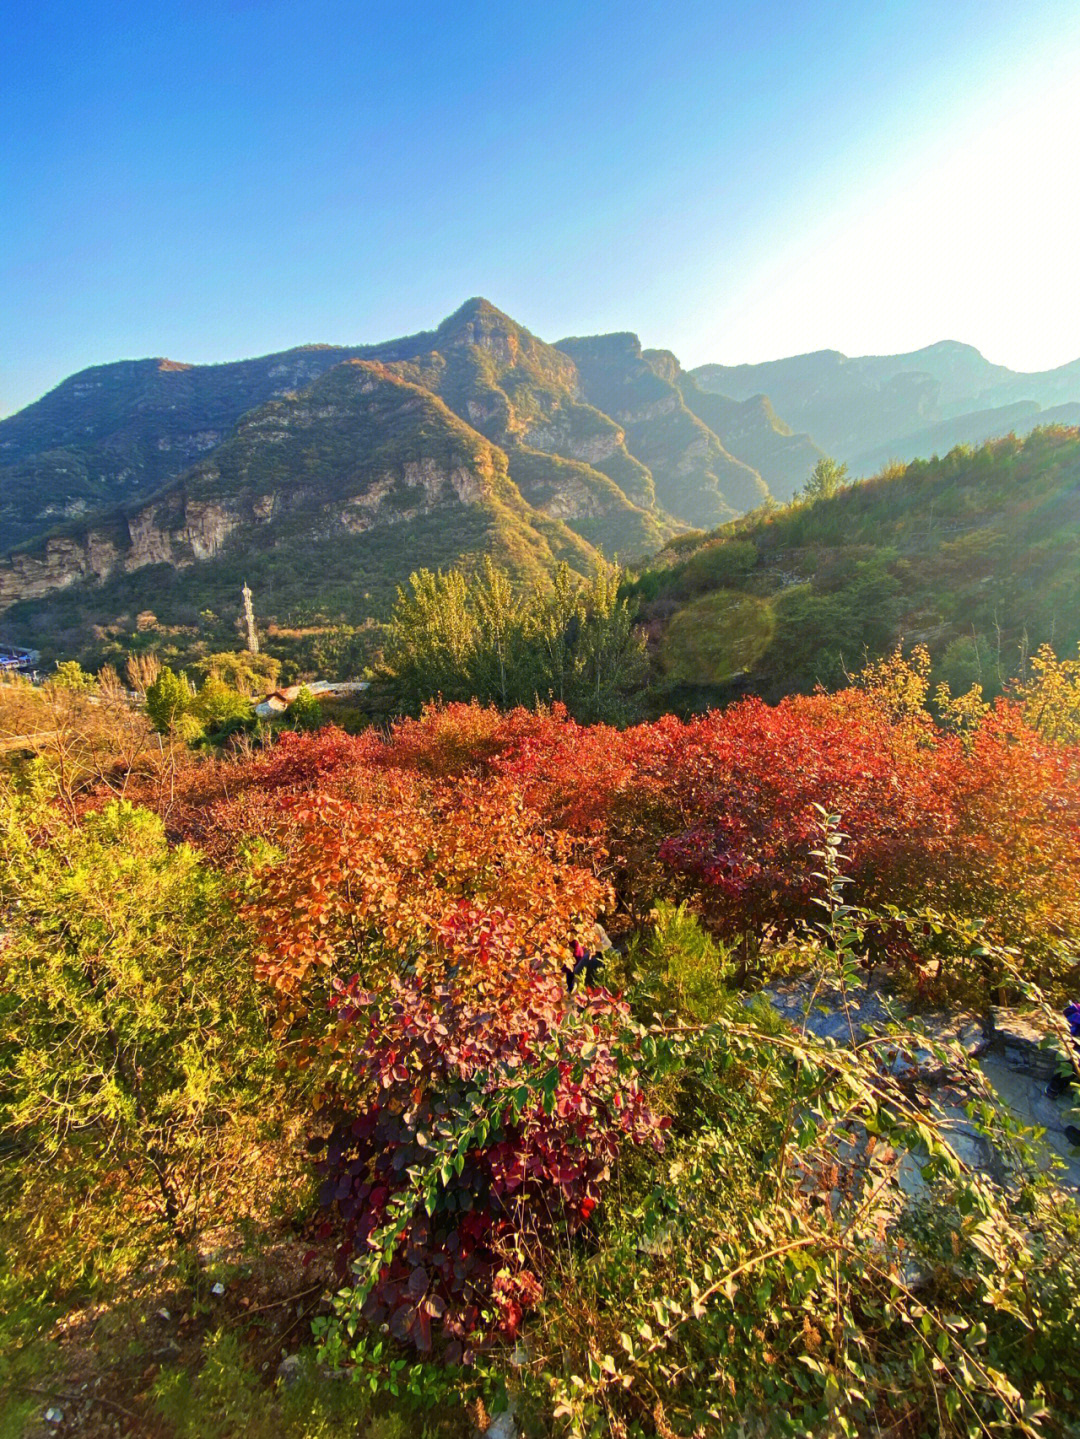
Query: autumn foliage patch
{"points": [[414, 911], [482, 1124], [473, 1103]]}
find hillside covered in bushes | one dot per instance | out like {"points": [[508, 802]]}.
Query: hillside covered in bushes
{"points": [[324, 1108], [976, 555]]}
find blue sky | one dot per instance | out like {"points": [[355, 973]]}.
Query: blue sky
{"points": [[732, 181]]}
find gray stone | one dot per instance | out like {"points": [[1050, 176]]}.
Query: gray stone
{"points": [[827, 1013], [1009, 1046], [975, 1038], [1024, 1095], [290, 1370], [502, 1426], [1020, 1038]]}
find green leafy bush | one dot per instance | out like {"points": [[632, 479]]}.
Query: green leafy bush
{"points": [[71, 675], [229, 1399], [305, 712], [167, 700], [717, 565], [217, 706], [678, 967], [134, 1047]]}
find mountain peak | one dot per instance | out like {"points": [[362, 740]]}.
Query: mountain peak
{"points": [[477, 316], [950, 347]]}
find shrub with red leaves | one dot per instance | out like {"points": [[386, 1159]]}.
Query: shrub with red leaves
{"points": [[481, 1123], [475, 1102]]}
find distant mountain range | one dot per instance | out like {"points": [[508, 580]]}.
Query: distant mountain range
{"points": [[325, 474], [869, 410]]}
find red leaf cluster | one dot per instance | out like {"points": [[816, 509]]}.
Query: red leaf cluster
{"points": [[509, 1107]]}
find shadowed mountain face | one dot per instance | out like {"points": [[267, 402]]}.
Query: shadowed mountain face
{"points": [[116, 432], [288, 463], [868, 410], [329, 496], [751, 429], [695, 476]]}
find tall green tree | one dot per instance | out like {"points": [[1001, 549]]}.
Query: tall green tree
{"points": [[554, 621], [568, 640], [500, 666], [611, 652], [826, 480], [431, 637], [167, 699]]}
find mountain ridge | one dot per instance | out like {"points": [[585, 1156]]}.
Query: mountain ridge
{"points": [[528, 451], [863, 408], [114, 435]]}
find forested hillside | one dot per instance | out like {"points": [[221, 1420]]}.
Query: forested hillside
{"points": [[976, 555], [328, 476]]}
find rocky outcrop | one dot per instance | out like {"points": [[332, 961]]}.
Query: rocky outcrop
{"points": [[422, 487], [558, 437], [361, 450], [185, 532], [152, 535], [1015, 1050]]}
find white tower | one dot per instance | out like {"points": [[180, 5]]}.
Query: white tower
{"points": [[249, 620]]}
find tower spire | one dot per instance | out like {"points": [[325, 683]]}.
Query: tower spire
{"points": [[249, 620]]}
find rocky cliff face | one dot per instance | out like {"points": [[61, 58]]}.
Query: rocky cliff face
{"points": [[153, 535], [361, 451], [696, 479]]}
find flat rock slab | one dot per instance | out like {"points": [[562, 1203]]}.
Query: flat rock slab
{"points": [[1008, 1044], [1019, 1037], [828, 1014]]}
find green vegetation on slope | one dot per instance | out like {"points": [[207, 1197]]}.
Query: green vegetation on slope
{"points": [[696, 480], [976, 555]]}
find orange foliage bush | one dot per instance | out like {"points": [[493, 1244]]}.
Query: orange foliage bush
{"points": [[718, 809], [421, 877]]}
